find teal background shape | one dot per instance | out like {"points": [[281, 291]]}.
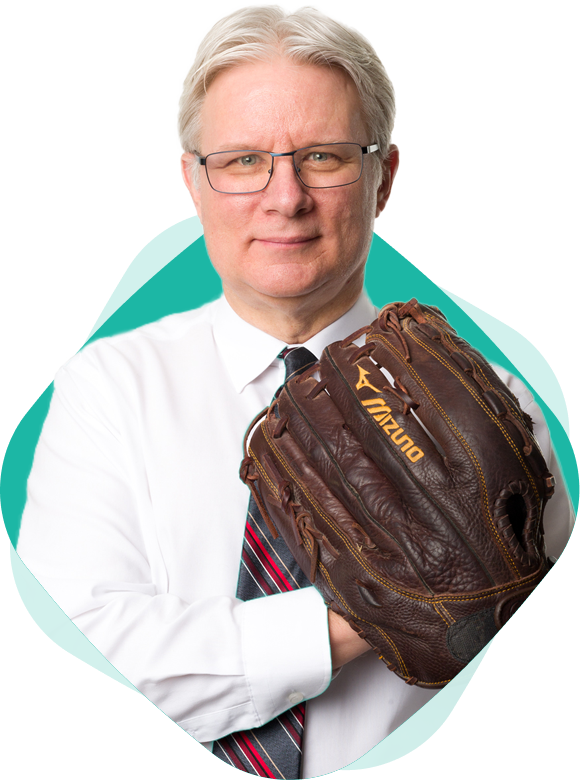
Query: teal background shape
{"points": [[90, 722]]}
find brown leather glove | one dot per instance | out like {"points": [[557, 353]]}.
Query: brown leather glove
{"points": [[415, 506]]}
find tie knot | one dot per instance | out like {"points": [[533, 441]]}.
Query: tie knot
{"points": [[297, 360]]}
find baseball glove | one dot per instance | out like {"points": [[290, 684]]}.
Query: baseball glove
{"points": [[414, 502]]}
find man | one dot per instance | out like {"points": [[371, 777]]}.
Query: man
{"points": [[135, 518]]}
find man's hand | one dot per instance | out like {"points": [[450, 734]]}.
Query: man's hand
{"points": [[345, 643]]}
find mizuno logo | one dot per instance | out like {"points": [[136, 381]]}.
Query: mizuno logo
{"points": [[378, 408], [363, 381]]}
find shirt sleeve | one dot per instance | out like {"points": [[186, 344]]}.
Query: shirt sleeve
{"points": [[214, 666]]}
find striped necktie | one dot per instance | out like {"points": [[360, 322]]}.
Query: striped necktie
{"points": [[267, 566]]}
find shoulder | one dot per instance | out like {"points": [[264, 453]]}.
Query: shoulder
{"points": [[191, 327], [530, 406], [516, 385]]}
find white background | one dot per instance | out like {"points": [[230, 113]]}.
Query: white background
{"points": [[489, 130], [487, 122]]}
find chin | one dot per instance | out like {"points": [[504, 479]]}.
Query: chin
{"points": [[280, 293], [288, 285]]}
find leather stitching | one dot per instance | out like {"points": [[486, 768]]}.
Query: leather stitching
{"points": [[415, 597], [368, 622], [458, 434], [439, 610], [513, 445], [446, 612]]}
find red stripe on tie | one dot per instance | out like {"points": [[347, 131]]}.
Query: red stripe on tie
{"points": [[285, 720], [256, 574], [276, 571], [298, 712], [231, 753], [250, 764], [265, 771], [264, 562]]}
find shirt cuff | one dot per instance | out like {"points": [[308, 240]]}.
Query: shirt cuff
{"points": [[286, 650]]}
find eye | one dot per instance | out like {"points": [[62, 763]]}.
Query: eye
{"points": [[319, 156], [248, 160]]}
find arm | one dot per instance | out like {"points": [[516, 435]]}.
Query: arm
{"points": [[87, 536]]}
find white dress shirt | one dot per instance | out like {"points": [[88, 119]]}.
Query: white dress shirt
{"points": [[135, 520]]}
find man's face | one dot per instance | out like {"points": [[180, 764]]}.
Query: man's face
{"points": [[288, 241]]}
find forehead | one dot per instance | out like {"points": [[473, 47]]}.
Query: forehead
{"points": [[275, 104]]}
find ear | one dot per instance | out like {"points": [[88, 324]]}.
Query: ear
{"points": [[187, 170], [390, 167]]}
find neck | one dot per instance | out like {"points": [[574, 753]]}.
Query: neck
{"points": [[294, 320]]}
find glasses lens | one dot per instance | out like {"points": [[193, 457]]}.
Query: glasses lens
{"points": [[329, 165], [238, 171]]}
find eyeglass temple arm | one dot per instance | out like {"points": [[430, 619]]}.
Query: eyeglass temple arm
{"points": [[370, 149]]}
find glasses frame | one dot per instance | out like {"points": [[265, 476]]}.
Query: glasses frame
{"points": [[364, 149]]}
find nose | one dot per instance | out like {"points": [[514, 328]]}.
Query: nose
{"points": [[285, 192]]}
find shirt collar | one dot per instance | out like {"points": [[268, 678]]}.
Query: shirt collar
{"points": [[247, 351]]}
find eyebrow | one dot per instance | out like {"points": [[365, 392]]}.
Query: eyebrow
{"points": [[243, 146], [238, 146]]}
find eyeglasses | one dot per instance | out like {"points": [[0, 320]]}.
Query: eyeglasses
{"points": [[243, 171]]}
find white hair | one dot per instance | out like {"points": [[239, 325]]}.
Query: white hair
{"points": [[306, 37]]}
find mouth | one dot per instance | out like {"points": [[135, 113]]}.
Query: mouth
{"points": [[286, 242]]}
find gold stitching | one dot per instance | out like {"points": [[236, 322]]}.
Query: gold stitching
{"points": [[372, 572], [481, 373], [446, 612], [458, 434], [439, 611], [368, 622]]}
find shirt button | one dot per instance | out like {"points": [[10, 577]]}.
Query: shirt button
{"points": [[296, 697]]}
